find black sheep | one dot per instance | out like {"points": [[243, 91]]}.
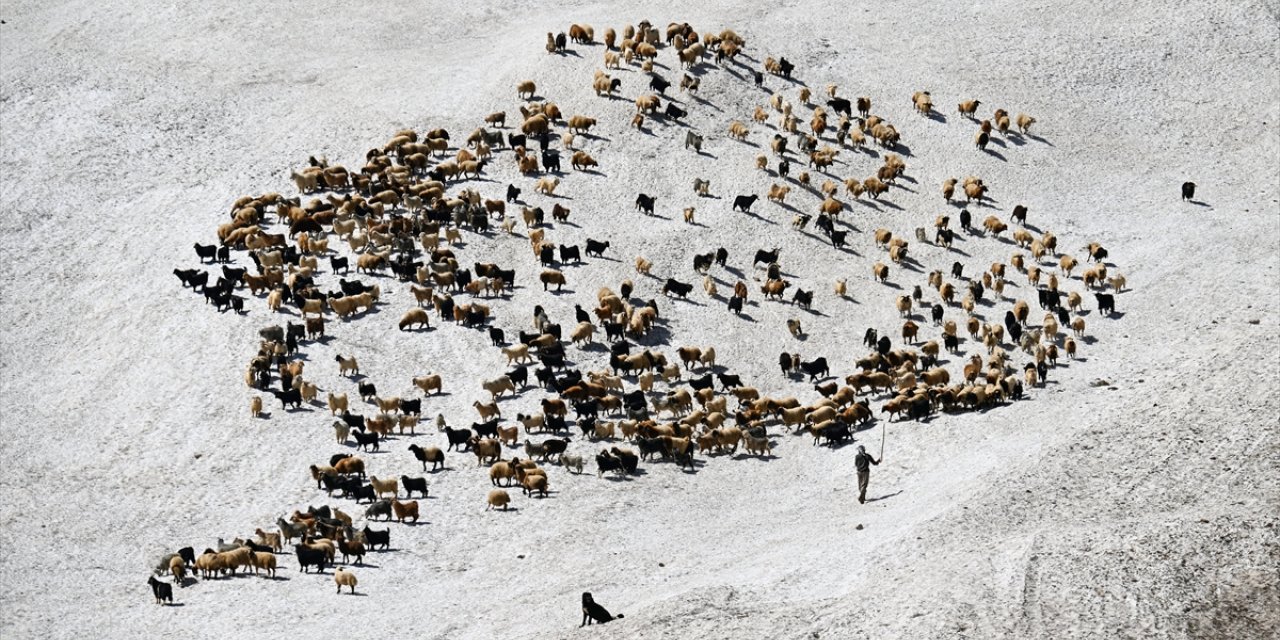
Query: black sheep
{"points": [[414, 484], [816, 368], [802, 298], [730, 381], [308, 557], [722, 256], [163, 591], [841, 105], [596, 248], [496, 337], [458, 438], [735, 304], [743, 203], [1188, 190], [658, 83], [207, 251], [674, 112], [513, 194], [366, 441], [377, 538], [644, 203], [1106, 303], [290, 397], [680, 289]]}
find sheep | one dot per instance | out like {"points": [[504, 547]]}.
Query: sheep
{"points": [[778, 193], [573, 462], [1024, 123], [526, 89], [547, 186], [255, 406], [532, 483], [642, 265], [498, 498], [550, 277], [428, 454], [414, 316], [345, 578], [793, 326], [429, 383], [647, 104], [738, 130], [841, 287], [405, 510], [583, 332], [490, 410], [880, 272], [347, 365]]}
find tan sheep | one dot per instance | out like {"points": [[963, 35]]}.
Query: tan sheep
{"points": [[738, 130], [498, 498], [1024, 123], [255, 406], [880, 272], [526, 89], [841, 287], [345, 578], [642, 265], [778, 193], [547, 186]]}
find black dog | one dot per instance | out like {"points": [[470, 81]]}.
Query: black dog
{"points": [[592, 612]]}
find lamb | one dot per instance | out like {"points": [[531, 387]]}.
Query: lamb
{"points": [[345, 578], [498, 498], [550, 277], [642, 265], [547, 186]]}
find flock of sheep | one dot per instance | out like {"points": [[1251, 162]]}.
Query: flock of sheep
{"points": [[410, 205]]}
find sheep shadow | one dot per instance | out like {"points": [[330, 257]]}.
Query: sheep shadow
{"points": [[996, 154], [744, 316], [892, 285], [1199, 203], [755, 456], [885, 497], [936, 116], [1039, 139]]}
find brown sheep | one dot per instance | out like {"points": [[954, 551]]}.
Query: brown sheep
{"points": [[738, 130], [642, 265], [1024, 123], [498, 498], [778, 193], [526, 89], [994, 225], [969, 108], [975, 191], [416, 316], [874, 187], [582, 161], [880, 272], [581, 124], [255, 406], [647, 104], [550, 277], [405, 510], [903, 303]]}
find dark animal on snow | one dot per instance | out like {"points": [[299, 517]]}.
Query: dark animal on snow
{"points": [[497, 337], [568, 254], [658, 83], [869, 338], [722, 256], [743, 203], [367, 390], [308, 557], [674, 112], [414, 484], [595, 248], [735, 304], [513, 194], [816, 368], [802, 299], [957, 270], [593, 612], [365, 440], [1020, 214], [1188, 190], [966, 220], [458, 438], [163, 591], [680, 289], [765, 257], [730, 381], [841, 105], [290, 397], [206, 251], [645, 203], [1106, 303], [377, 538]]}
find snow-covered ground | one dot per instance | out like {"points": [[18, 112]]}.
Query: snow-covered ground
{"points": [[1145, 506]]}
